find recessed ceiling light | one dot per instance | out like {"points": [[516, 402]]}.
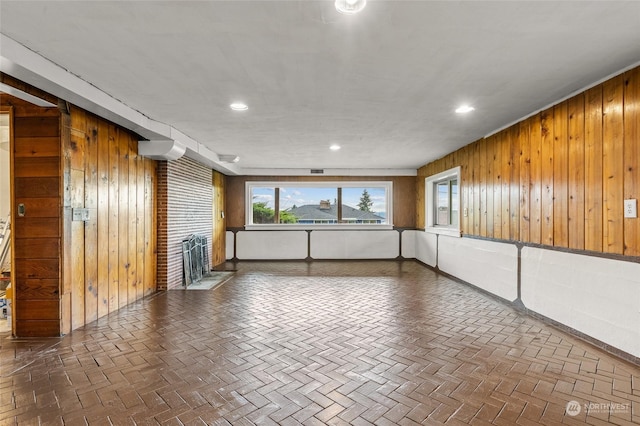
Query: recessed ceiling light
{"points": [[464, 109], [350, 7], [334, 147], [237, 106]]}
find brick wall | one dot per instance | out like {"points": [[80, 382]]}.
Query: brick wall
{"points": [[185, 207]]}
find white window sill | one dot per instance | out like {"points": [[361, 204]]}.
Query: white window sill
{"points": [[452, 232], [345, 226]]}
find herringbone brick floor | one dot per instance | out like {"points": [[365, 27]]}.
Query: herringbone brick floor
{"points": [[316, 343]]}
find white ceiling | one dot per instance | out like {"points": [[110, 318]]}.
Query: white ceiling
{"points": [[383, 84]]}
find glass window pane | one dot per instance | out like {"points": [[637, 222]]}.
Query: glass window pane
{"points": [[454, 202], [308, 205], [442, 203], [263, 201], [364, 205]]}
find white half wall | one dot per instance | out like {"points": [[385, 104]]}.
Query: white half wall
{"points": [[489, 265], [229, 245], [427, 248], [271, 245], [355, 244], [598, 297], [408, 244]]}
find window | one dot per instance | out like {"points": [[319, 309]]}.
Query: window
{"points": [[318, 204], [443, 202]]}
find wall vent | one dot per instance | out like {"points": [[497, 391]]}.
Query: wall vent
{"points": [[317, 171]]}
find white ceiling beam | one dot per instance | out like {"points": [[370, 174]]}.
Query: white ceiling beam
{"points": [[26, 65]]}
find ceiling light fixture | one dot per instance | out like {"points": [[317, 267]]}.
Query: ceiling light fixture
{"points": [[464, 109], [334, 147], [350, 7], [238, 106]]}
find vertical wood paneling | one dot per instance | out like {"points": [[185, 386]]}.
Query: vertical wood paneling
{"points": [[140, 227], [114, 252], [546, 123], [506, 183], [132, 257], [525, 180], [593, 169], [219, 219], [491, 163], [632, 157], [613, 163], [419, 197], [114, 197], [514, 184], [123, 222], [150, 226], [475, 174], [103, 218], [535, 178], [465, 188], [65, 161], [576, 172], [482, 181], [497, 185], [90, 171], [77, 252], [560, 176]]}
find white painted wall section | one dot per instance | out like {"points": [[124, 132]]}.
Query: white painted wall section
{"points": [[270, 245], [596, 296], [408, 244], [355, 244], [229, 244], [427, 248], [490, 265]]}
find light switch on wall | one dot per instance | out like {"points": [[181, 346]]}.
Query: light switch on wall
{"points": [[630, 208]]}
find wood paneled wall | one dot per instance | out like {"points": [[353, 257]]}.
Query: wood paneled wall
{"points": [[219, 219], [68, 273], [36, 245], [110, 260], [557, 178], [404, 189]]}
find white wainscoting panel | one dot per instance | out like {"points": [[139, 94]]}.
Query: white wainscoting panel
{"points": [[229, 245], [271, 245], [355, 244], [490, 265], [596, 296], [408, 244], [427, 247]]}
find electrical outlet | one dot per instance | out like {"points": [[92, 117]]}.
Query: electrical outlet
{"points": [[630, 208]]}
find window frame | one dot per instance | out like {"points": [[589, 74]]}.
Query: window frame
{"points": [[250, 185], [431, 203]]}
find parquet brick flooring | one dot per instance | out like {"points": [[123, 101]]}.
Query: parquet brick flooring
{"points": [[337, 343]]}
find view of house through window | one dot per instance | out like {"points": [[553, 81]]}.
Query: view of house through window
{"points": [[313, 204]]}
